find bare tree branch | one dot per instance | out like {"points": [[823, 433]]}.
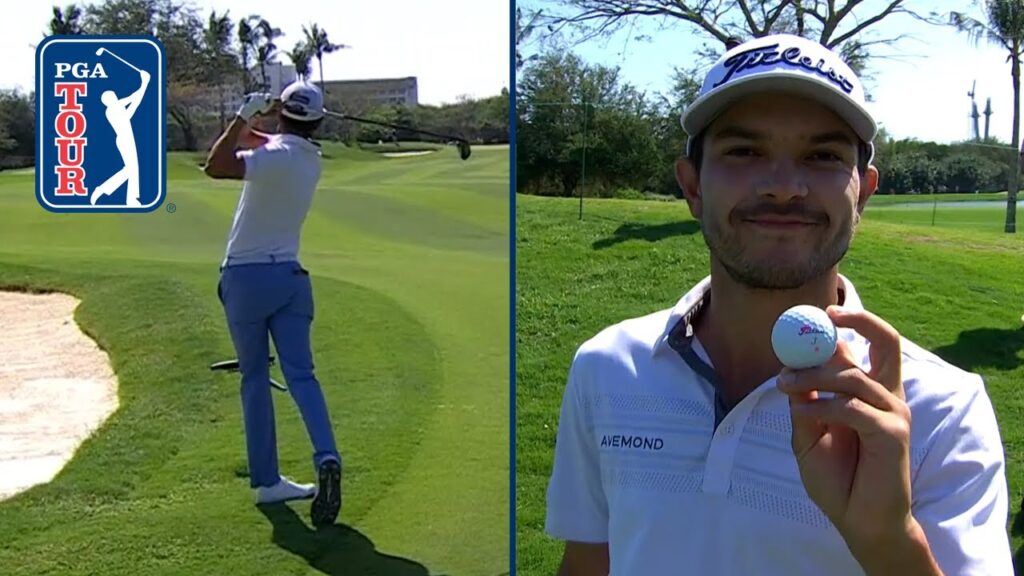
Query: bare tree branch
{"points": [[818, 15], [886, 41], [596, 18], [771, 19], [846, 9], [764, 11], [826, 18], [832, 22], [751, 23], [893, 8], [933, 18]]}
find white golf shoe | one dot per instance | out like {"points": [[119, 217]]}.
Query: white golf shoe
{"points": [[284, 491]]}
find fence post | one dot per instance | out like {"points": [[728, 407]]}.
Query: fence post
{"points": [[583, 178]]}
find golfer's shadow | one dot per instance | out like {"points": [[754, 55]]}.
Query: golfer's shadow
{"points": [[995, 349], [648, 232], [1018, 556], [992, 348], [335, 550]]}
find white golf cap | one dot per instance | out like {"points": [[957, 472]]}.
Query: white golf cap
{"points": [[302, 101], [781, 63]]}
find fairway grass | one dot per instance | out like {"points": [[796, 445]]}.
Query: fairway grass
{"points": [[410, 342], [989, 218], [954, 290], [888, 199]]}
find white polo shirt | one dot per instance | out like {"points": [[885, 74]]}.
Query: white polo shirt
{"points": [[648, 460], [280, 178]]}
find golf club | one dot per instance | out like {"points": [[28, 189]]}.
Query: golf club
{"points": [[102, 50], [232, 366], [462, 143]]}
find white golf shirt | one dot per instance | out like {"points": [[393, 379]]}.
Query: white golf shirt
{"points": [[649, 460], [280, 178]]}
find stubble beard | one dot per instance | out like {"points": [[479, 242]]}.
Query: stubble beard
{"points": [[728, 250]]}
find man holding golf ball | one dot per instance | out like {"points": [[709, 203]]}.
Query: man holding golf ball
{"points": [[768, 423]]}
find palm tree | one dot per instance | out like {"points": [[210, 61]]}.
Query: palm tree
{"points": [[67, 21], [300, 56], [1004, 27], [220, 58], [217, 39], [316, 39], [246, 49], [266, 49]]}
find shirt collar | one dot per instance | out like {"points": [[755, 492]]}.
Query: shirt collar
{"points": [[687, 310], [299, 141]]}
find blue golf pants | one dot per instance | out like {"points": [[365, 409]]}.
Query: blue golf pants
{"points": [[274, 300]]}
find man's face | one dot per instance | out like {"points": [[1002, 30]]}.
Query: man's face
{"points": [[778, 193]]}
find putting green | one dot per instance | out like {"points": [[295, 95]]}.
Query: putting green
{"points": [[409, 262]]}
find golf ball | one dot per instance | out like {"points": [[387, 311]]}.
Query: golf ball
{"points": [[803, 337]]}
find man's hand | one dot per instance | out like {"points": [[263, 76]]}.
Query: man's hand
{"points": [[145, 76], [255, 103], [853, 449], [584, 559], [222, 161], [250, 138]]}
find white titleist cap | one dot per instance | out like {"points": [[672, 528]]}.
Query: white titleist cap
{"points": [[302, 101], [781, 63]]}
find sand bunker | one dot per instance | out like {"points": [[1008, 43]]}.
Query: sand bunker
{"points": [[56, 388], [404, 154]]}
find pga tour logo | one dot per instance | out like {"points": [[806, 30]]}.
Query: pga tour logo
{"points": [[100, 117]]}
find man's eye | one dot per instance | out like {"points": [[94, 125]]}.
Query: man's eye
{"points": [[825, 156], [741, 152]]}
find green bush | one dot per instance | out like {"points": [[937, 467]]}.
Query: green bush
{"points": [[629, 194]]}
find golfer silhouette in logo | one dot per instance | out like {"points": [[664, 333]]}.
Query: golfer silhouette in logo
{"points": [[119, 114]]}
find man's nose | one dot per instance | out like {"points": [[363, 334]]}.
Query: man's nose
{"points": [[783, 182]]}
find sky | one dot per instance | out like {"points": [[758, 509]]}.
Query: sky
{"points": [[453, 47], [919, 86]]}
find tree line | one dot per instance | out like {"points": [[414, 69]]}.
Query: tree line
{"points": [[212, 59], [580, 130], [481, 121], [209, 59], [909, 166]]}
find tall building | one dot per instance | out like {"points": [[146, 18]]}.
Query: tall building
{"points": [[374, 92], [341, 94], [279, 75]]}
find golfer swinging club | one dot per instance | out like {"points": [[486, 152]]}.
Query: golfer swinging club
{"points": [[266, 291], [119, 114]]}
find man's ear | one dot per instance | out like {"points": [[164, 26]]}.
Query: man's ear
{"points": [[688, 179], [868, 187]]}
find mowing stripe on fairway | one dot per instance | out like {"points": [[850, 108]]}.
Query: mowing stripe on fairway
{"points": [[399, 222]]}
